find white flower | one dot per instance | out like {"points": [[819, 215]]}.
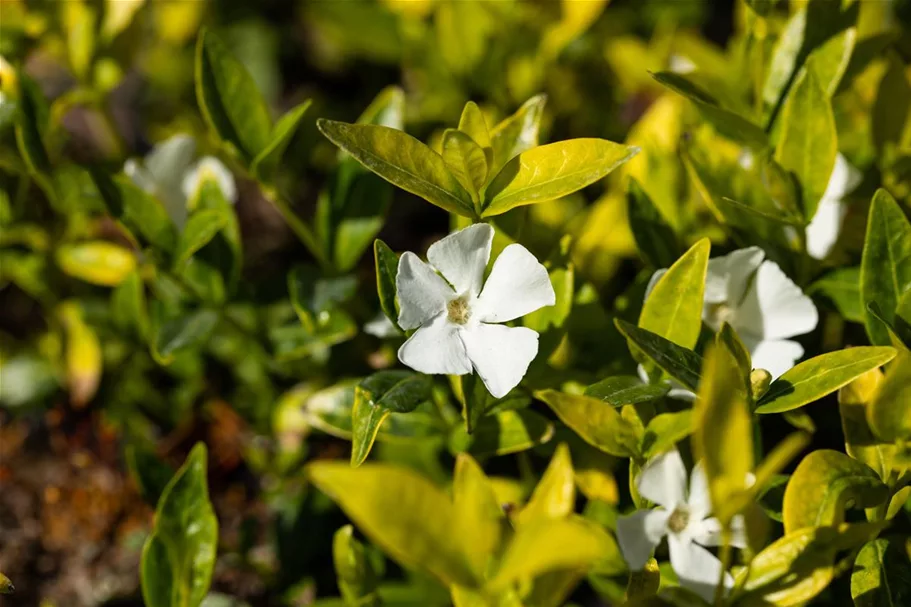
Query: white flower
{"points": [[682, 517], [168, 173], [822, 233], [761, 303], [380, 327], [677, 390], [453, 314]]}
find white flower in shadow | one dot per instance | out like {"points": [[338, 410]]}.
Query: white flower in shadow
{"points": [[682, 516], [823, 231], [454, 316]]}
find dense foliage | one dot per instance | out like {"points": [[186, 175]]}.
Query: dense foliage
{"points": [[431, 302]]}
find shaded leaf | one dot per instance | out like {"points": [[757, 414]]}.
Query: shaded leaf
{"points": [[889, 413], [502, 433], [656, 241], [882, 574], [626, 390], [598, 423], [680, 363], [517, 133], [269, 158]]}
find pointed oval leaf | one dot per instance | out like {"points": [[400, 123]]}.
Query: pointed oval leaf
{"points": [[517, 133], [626, 390], [401, 160], [842, 287], [680, 363], [666, 430], [555, 494], [357, 580], [882, 574], [387, 263], [268, 160], [385, 502], [473, 124], [552, 171], [812, 379], [465, 160], [98, 262], [172, 333], [598, 423], [823, 485], [885, 267], [141, 213], [201, 228], [128, 307]]}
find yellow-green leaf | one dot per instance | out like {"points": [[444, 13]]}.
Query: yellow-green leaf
{"points": [[480, 518], [812, 379], [357, 581], [555, 495], [403, 513], [552, 171], [598, 423], [473, 124], [854, 401], [507, 431], [882, 574], [401, 160], [98, 262], [6, 586], [269, 158], [890, 412], [465, 160], [83, 355], [516, 133]]}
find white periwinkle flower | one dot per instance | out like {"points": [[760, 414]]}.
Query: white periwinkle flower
{"points": [[453, 315], [683, 517], [169, 173], [761, 303], [822, 233]]}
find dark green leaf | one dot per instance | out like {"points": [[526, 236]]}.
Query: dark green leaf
{"points": [[655, 240], [842, 287], [626, 390], [268, 160], [172, 333], [200, 229], [142, 214], [882, 574], [680, 363], [387, 264]]}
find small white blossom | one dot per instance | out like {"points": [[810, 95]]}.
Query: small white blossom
{"points": [[823, 231], [380, 327], [677, 390], [761, 303], [683, 517], [454, 316], [168, 172]]}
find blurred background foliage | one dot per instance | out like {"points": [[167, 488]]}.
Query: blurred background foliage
{"points": [[114, 362]]}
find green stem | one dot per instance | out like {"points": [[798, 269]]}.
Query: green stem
{"points": [[297, 225]]}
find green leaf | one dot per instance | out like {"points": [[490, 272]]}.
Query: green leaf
{"points": [[626, 390], [890, 412], [268, 160], [842, 287], [854, 401], [809, 142], [552, 171], [229, 99], [98, 262], [723, 437], [728, 123], [889, 119], [199, 231], [517, 133], [31, 125], [387, 264], [666, 430], [673, 309], [832, 57], [680, 363], [554, 496], [140, 213], [386, 502], [885, 267], [598, 423], [501, 433], [881, 576], [655, 240], [480, 517], [128, 307], [175, 332], [823, 485], [357, 580], [465, 159], [375, 398], [401, 160], [473, 124], [150, 474], [812, 379], [179, 556]]}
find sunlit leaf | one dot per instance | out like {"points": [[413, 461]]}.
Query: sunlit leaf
{"points": [[98, 262], [555, 495], [598, 423], [889, 413], [517, 133]]}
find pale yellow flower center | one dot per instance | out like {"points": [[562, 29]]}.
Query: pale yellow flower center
{"points": [[458, 310], [679, 519]]}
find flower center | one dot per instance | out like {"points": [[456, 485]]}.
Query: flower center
{"points": [[679, 519], [722, 313], [458, 310]]}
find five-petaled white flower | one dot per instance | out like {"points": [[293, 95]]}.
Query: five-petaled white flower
{"points": [[169, 173], [761, 303], [683, 517], [453, 314], [822, 233]]}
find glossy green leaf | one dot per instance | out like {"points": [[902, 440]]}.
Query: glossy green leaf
{"points": [[179, 556], [517, 133], [98, 262], [783, 61], [598, 423], [666, 430], [357, 580], [673, 309], [885, 270], [200, 229], [552, 171], [854, 401], [501, 433], [229, 99], [655, 239], [473, 124], [723, 437], [882, 574], [142, 214], [555, 494], [387, 264], [842, 287], [889, 413], [812, 379], [269, 158], [174, 332], [465, 159], [824, 484], [680, 363], [385, 501], [401, 160], [809, 142], [831, 59], [626, 390], [375, 398]]}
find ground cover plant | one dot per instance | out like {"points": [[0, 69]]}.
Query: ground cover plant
{"points": [[472, 303]]}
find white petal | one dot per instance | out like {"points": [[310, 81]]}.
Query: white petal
{"points": [[681, 393], [663, 480], [775, 356], [500, 354], [436, 348], [517, 285], [380, 327], [822, 233], [843, 180], [639, 533], [697, 569], [698, 499], [775, 307], [210, 167], [653, 281], [422, 293], [167, 163], [462, 257], [728, 276], [708, 532]]}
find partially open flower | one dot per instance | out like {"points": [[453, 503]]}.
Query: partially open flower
{"points": [[454, 316]]}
